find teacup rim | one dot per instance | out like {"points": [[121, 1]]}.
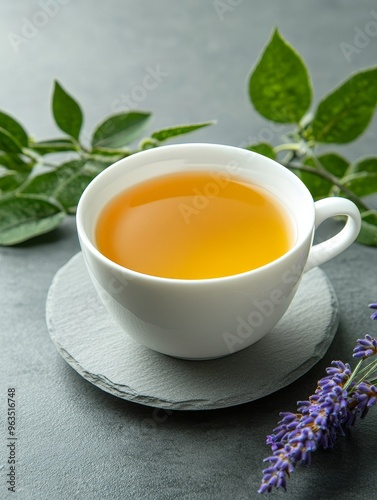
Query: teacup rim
{"points": [[84, 238]]}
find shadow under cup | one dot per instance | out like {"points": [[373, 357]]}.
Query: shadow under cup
{"points": [[207, 318]]}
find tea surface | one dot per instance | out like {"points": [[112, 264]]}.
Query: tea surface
{"points": [[194, 225]]}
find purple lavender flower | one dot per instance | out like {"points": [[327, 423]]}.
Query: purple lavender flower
{"points": [[363, 398], [298, 435], [374, 315], [338, 373], [340, 397], [365, 347]]}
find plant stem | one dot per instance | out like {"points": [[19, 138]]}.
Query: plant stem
{"points": [[331, 178], [30, 154], [367, 370], [40, 159], [353, 374], [290, 156], [103, 158], [287, 147]]}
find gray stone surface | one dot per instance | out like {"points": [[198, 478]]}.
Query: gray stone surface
{"points": [[75, 441], [103, 354]]}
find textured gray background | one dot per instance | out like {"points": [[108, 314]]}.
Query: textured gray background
{"points": [[75, 441]]}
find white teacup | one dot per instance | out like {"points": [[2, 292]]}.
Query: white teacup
{"points": [[208, 318]]}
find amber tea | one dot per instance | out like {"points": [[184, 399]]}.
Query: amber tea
{"points": [[194, 225]]}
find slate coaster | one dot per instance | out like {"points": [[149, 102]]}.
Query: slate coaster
{"points": [[99, 350]]}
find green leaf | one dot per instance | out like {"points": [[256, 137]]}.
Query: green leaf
{"points": [[14, 129], [279, 86], [71, 195], [345, 113], [119, 130], [10, 180], [318, 187], [263, 148], [148, 143], [53, 146], [365, 165], [14, 162], [103, 153], [23, 217], [167, 133], [105, 159], [8, 143], [50, 183], [66, 183], [368, 232], [361, 183], [334, 163], [95, 167], [67, 113]]}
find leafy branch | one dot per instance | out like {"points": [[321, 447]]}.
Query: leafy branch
{"points": [[280, 90], [41, 181]]}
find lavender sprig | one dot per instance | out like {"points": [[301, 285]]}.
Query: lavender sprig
{"points": [[374, 315], [340, 398]]}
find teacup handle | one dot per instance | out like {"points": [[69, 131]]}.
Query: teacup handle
{"points": [[331, 207]]}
